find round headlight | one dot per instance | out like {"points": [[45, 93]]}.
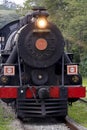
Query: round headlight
{"points": [[41, 23]]}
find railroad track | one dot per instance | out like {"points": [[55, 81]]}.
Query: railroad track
{"points": [[43, 124], [83, 100], [48, 124]]}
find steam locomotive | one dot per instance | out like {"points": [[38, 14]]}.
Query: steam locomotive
{"points": [[35, 71]]}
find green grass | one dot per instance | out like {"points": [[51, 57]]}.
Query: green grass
{"points": [[78, 112], [85, 84], [4, 119], [85, 81]]}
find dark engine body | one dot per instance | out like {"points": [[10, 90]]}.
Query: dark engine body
{"points": [[40, 69]]}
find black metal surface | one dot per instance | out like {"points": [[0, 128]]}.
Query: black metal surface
{"points": [[39, 77], [34, 57], [21, 93], [27, 108], [63, 70], [64, 92], [13, 56], [39, 68], [7, 30], [67, 59]]}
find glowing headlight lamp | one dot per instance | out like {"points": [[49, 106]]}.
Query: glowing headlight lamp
{"points": [[41, 22]]}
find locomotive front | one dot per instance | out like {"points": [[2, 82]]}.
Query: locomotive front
{"points": [[38, 73], [40, 46]]}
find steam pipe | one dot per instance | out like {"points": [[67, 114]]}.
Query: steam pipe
{"points": [[13, 56], [66, 58]]}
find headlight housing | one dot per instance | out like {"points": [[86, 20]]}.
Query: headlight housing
{"points": [[41, 22]]}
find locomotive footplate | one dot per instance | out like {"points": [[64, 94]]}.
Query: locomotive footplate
{"points": [[35, 107]]}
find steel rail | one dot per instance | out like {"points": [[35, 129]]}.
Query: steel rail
{"points": [[83, 100]]}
